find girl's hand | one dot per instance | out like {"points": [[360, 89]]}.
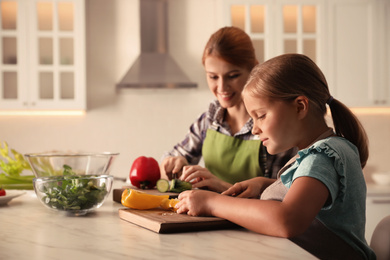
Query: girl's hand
{"points": [[251, 188], [173, 165], [201, 177], [195, 202]]}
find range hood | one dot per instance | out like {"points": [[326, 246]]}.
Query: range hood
{"points": [[154, 68]]}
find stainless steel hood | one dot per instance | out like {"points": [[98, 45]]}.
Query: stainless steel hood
{"points": [[154, 68]]}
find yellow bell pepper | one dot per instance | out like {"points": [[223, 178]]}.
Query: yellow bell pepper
{"points": [[169, 204], [140, 200]]}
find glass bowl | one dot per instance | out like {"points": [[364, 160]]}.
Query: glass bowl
{"points": [[58, 164], [76, 183], [73, 194]]}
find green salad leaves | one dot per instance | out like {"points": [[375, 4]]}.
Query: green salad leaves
{"points": [[72, 192]]}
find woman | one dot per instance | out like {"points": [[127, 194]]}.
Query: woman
{"points": [[222, 135]]}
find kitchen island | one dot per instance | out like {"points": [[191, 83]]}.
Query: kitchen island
{"points": [[31, 231]]}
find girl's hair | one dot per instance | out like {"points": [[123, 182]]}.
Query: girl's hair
{"points": [[232, 45], [291, 75]]}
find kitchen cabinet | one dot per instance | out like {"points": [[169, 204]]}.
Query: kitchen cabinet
{"points": [[280, 26], [42, 53], [358, 48], [348, 39], [377, 207]]}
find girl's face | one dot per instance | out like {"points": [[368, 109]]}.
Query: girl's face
{"points": [[275, 122], [225, 81]]}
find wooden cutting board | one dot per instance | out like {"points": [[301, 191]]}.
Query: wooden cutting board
{"points": [[164, 221]]}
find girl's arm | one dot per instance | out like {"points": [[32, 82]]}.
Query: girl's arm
{"points": [[287, 218]]}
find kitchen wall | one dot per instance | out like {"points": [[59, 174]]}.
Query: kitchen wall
{"points": [[149, 121]]}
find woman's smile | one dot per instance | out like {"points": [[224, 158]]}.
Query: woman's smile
{"points": [[226, 96]]}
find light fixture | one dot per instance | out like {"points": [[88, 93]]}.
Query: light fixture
{"points": [[371, 110], [42, 113]]}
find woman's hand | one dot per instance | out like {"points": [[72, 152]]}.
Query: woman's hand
{"points": [[251, 188], [195, 202], [173, 165], [201, 177]]}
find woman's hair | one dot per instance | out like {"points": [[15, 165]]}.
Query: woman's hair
{"points": [[291, 75], [232, 45]]}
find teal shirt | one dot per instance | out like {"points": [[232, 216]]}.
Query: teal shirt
{"points": [[335, 162]]}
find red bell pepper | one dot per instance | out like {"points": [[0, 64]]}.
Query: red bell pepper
{"points": [[145, 172]]}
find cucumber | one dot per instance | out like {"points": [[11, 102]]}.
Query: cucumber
{"points": [[162, 185], [179, 186], [174, 185]]}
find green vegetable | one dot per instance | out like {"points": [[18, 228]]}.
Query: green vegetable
{"points": [[179, 186], [11, 168], [73, 192], [162, 185], [20, 183], [68, 170], [174, 185]]}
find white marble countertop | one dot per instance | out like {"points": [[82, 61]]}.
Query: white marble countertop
{"points": [[30, 231]]}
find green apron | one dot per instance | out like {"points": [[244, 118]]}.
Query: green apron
{"points": [[231, 159]]}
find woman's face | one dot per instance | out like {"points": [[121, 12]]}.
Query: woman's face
{"points": [[225, 80]]}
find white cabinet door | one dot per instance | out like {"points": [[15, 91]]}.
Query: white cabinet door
{"points": [[300, 28], [357, 51], [279, 26], [351, 60], [13, 54], [43, 55]]}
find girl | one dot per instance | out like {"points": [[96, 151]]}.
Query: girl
{"points": [[318, 199], [222, 135]]}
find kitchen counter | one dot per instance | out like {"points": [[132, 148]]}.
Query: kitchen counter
{"points": [[31, 231]]}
